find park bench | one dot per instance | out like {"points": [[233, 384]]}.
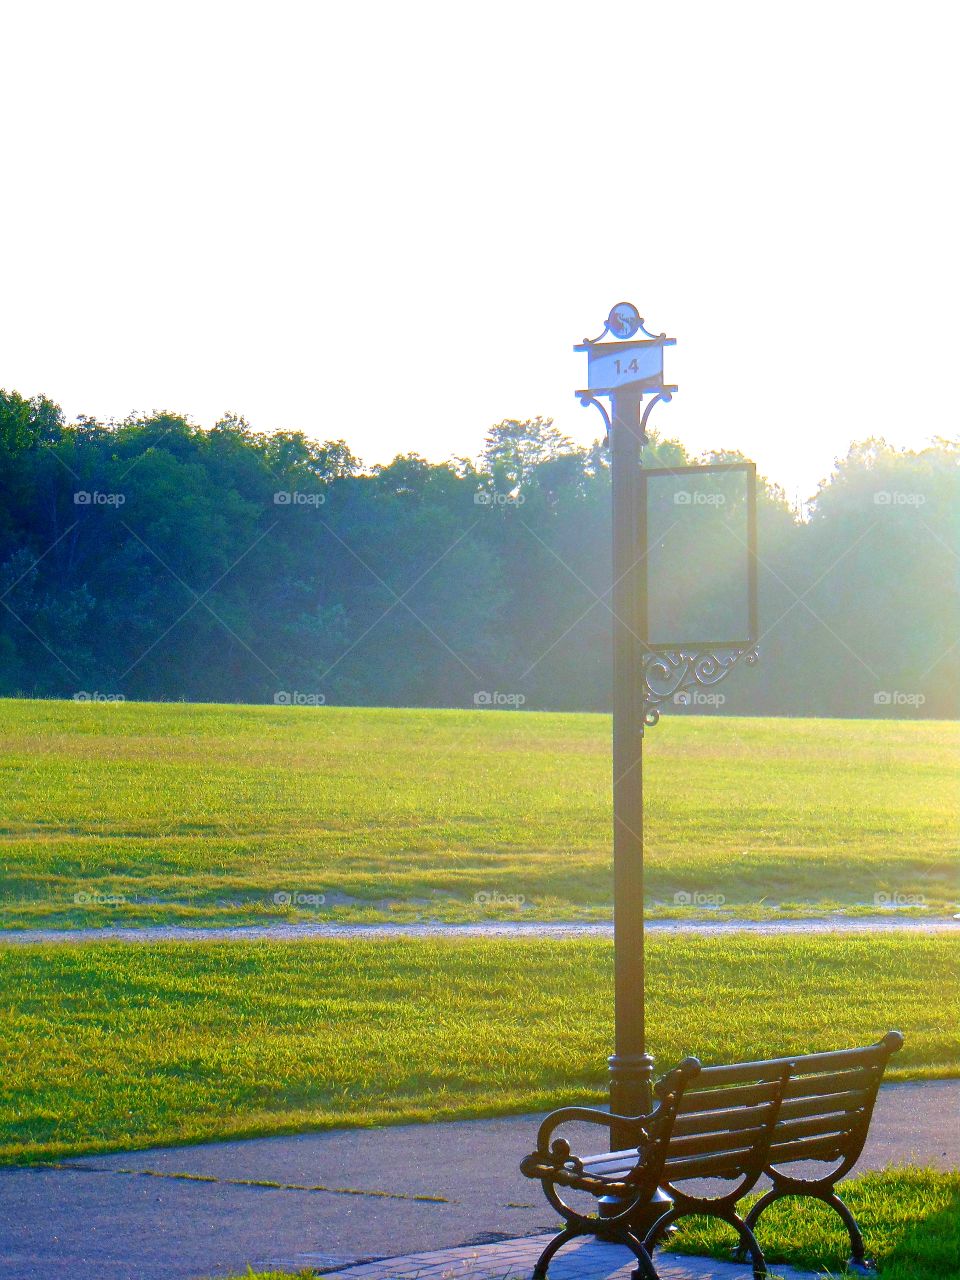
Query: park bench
{"points": [[732, 1122]]}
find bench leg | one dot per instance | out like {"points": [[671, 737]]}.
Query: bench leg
{"points": [[557, 1243], [660, 1228], [858, 1259], [644, 1270], [858, 1262], [740, 1253], [748, 1248]]}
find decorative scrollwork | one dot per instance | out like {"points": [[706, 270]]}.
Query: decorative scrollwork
{"points": [[666, 395], [587, 399], [672, 675], [656, 337]]}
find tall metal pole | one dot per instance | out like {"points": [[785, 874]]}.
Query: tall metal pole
{"points": [[631, 1067]]}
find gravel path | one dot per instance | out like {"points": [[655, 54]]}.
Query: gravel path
{"points": [[491, 929]]}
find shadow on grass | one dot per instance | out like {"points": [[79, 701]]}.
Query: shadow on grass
{"points": [[910, 1219], [930, 1247]]}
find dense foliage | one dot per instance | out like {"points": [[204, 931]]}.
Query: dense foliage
{"points": [[154, 559]]}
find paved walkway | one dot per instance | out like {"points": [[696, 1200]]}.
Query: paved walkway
{"points": [[489, 929], [580, 1260], [338, 1199]]}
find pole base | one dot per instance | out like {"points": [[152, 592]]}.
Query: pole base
{"points": [[631, 1084], [631, 1094], [643, 1217]]}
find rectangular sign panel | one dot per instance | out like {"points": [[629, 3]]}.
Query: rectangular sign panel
{"points": [[700, 537], [615, 364]]}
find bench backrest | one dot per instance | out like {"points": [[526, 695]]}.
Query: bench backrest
{"points": [[828, 1103], [724, 1126], [821, 1105]]}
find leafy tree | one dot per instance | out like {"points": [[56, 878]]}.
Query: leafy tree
{"points": [[156, 559]]}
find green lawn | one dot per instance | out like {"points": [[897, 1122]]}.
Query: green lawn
{"points": [[910, 1219], [108, 1046], [205, 813]]}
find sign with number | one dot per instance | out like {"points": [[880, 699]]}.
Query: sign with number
{"points": [[620, 364]]}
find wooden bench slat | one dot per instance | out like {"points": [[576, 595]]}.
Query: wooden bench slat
{"points": [[725, 1121], [707, 1166], [715, 1099], [768, 1068], [841, 1124], [820, 1104], [703, 1143], [806, 1149], [816, 1086], [731, 1164], [604, 1161], [612, 1170]]}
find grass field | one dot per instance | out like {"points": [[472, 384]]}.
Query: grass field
{"points": [[910, 1218], [177, 813], [107, 1046]]}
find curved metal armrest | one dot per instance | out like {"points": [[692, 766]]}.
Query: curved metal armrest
{"points": [[647, 1127], [588, 1115]]}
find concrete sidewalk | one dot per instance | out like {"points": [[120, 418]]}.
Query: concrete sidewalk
{"points": [[336, 1199], [580, 1260]]}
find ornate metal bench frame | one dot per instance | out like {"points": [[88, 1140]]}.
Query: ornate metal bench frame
{"points": [[738, 1121], [863, 1069]]}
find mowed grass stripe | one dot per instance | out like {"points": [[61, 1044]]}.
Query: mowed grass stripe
{"points": [[204, 813], [114, 1047]]}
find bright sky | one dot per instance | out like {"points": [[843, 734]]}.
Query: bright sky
{"points": [[391, 222]]}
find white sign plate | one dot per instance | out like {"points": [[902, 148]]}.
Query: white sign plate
{"points": [[617, 364]]}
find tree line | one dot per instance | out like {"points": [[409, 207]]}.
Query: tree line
{"points": [[154, 559]]}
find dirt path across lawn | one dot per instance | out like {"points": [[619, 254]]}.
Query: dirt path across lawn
{"points": [[490, 929]]}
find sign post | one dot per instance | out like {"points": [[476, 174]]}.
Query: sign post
{"points": [[631, 1068], [628, 372]]}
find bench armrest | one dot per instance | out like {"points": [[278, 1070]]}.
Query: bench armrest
{"points": [[667, 1089], [588, 1115], [553, 1155]]}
